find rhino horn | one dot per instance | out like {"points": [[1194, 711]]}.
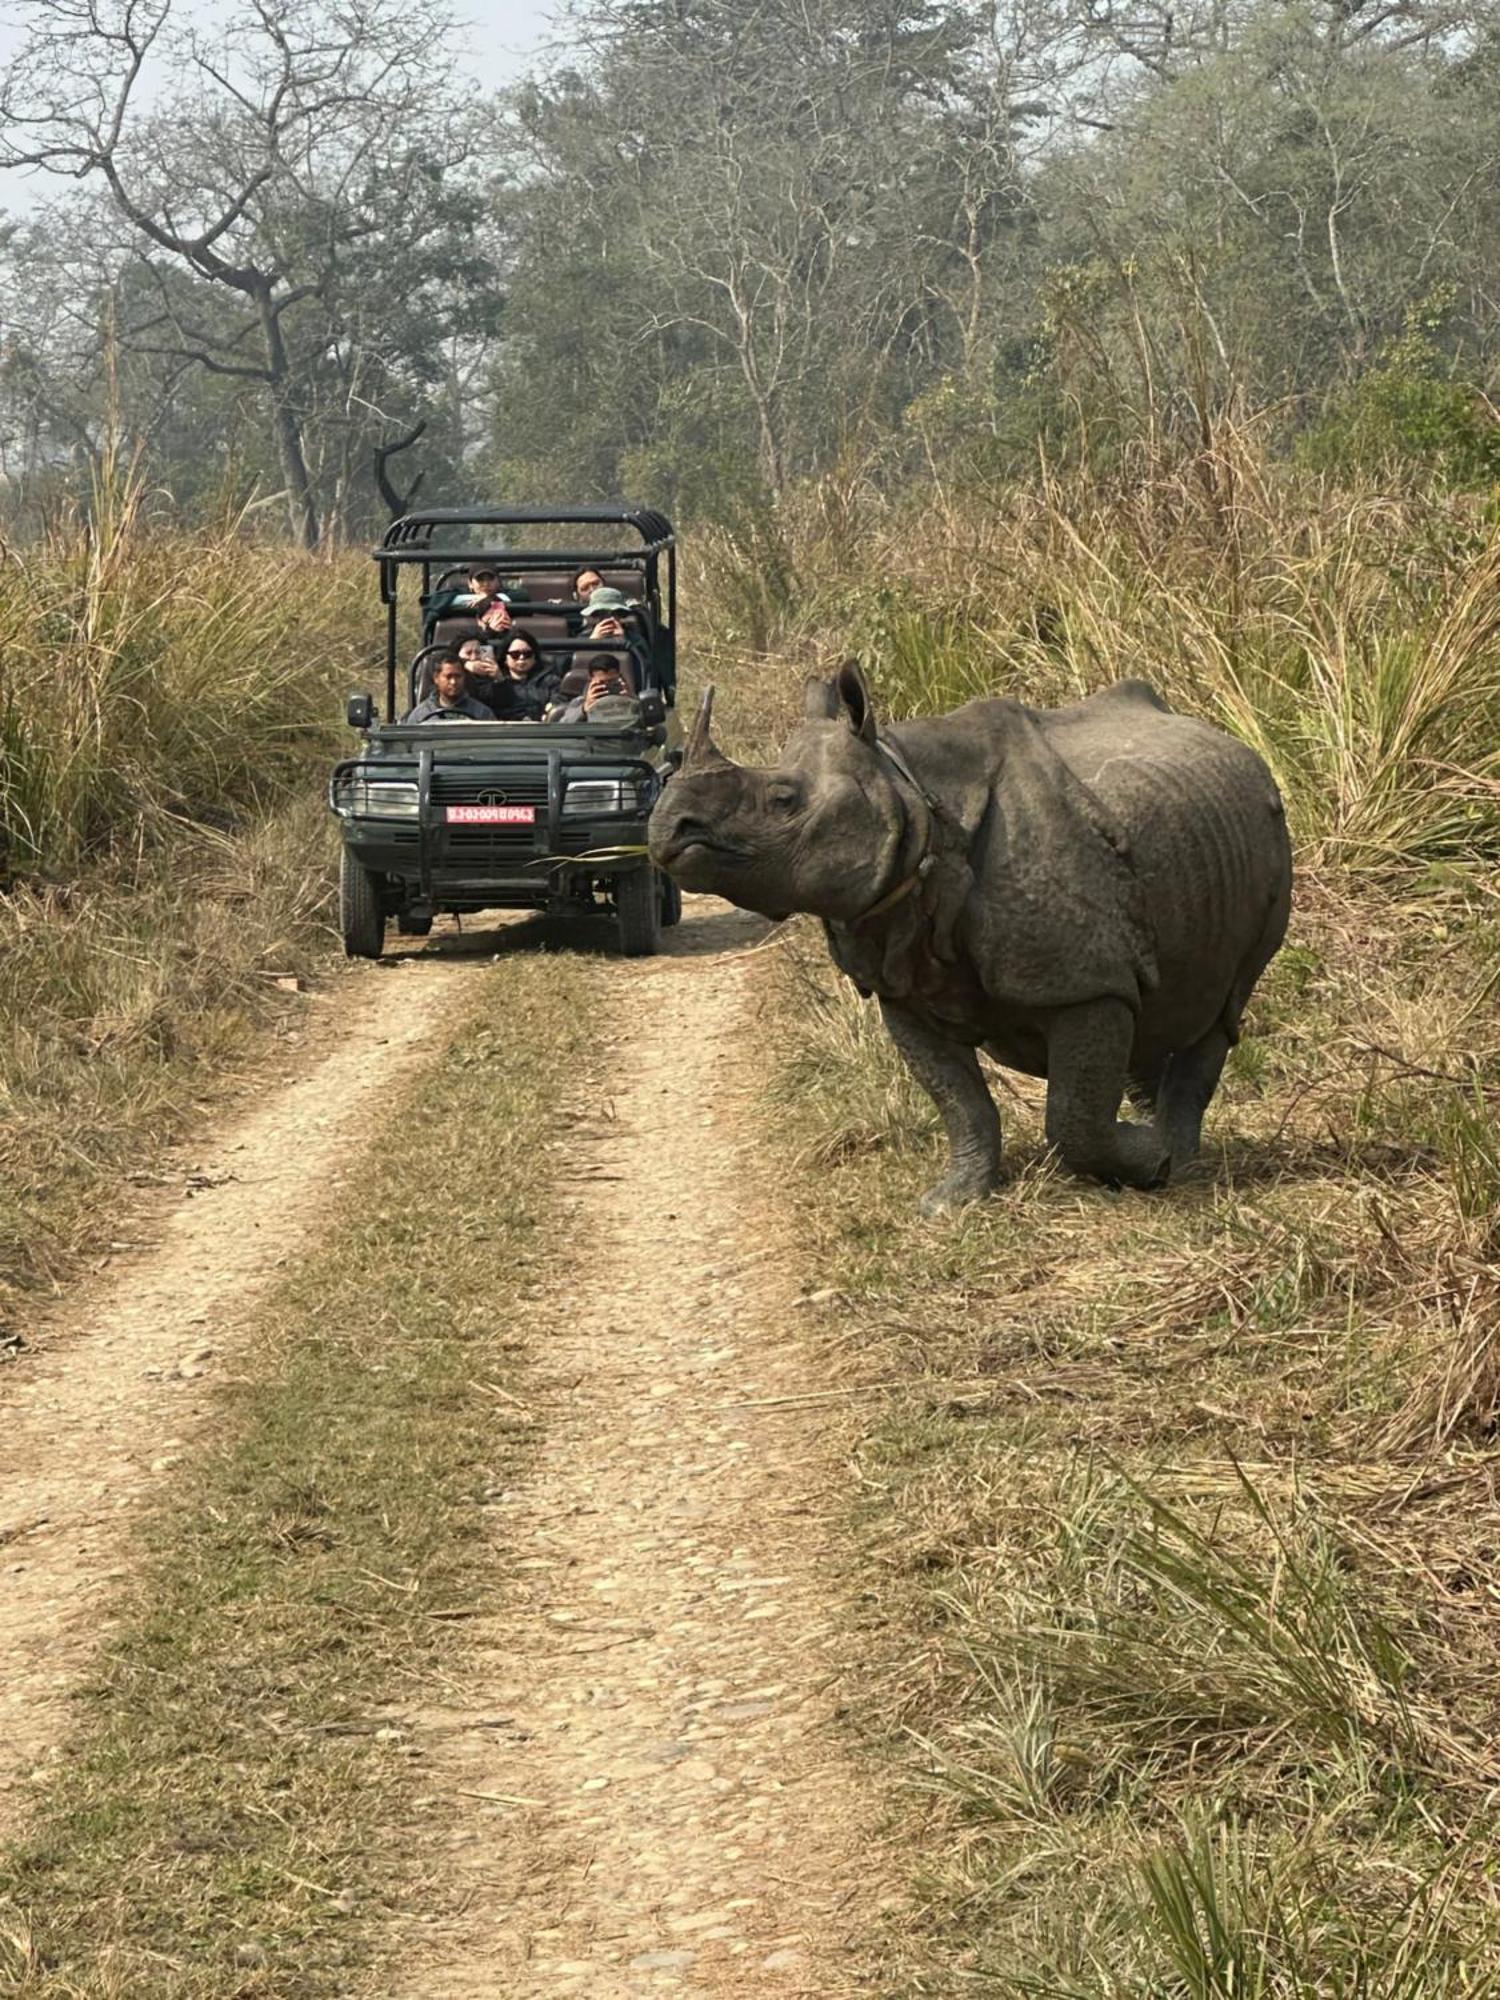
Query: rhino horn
{"points": [[701, 750]]}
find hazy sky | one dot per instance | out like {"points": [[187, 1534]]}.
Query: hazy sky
{"points": [[510, 30]]}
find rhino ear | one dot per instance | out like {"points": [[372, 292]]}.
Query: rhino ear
{"points": [[820, 700], [854, 697]]}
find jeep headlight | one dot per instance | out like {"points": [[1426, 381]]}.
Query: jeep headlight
{"points": [[358, 796], [586, 796]]}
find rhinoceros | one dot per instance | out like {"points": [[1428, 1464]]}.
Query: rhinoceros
{"points": [[1088, 894]]}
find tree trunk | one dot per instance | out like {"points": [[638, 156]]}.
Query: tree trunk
{"points": [[302, 505]]}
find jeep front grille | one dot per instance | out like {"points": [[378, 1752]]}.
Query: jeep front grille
{"points": [[527, 787]]}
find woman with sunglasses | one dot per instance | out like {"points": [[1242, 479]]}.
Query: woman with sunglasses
{"points": [[526, 686]]}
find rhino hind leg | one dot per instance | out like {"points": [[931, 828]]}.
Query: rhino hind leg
{"points": [[1088, 1055], [1187, 1089], [1143, 1085], [1192, 1074], [949, 1072]]}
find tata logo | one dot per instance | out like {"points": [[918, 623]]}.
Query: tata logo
{"points": [[492, 799]]}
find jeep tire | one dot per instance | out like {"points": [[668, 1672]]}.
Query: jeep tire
{"points": [[361, 919], [638, 905], [671, 902]]}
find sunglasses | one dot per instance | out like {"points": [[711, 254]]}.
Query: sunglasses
{"points": [[519, 653]]}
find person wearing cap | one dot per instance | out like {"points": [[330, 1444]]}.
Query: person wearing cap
{"points": [[484, 600]]}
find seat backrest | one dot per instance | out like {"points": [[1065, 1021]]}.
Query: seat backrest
{"points": [[547, 586], [453, 631], [546, 627], [421, 670]]}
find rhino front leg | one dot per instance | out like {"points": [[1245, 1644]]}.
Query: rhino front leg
{"points": [[949, 1073], [1088, 1052]]}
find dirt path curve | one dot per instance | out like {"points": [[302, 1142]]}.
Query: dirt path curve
{"points": [[97, 1413], [646, 1753]]}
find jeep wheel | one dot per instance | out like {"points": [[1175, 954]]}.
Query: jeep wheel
{"points": [[638, 903], [671, 903], [360, 917]]}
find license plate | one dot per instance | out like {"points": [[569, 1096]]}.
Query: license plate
{"points": [[492, 815]]}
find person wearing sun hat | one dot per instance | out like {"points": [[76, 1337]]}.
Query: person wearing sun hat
{"points": [[605, 612]]}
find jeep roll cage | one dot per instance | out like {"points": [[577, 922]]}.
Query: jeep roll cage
{"points": [[440, 538]]}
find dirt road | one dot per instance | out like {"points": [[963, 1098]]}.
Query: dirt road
{"points": [[97, 1415], [663, 1805], [639, 1785]]}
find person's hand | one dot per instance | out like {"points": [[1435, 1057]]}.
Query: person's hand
{"points": [[608, 628], [599, 686], [483, 666], [496, 617]]}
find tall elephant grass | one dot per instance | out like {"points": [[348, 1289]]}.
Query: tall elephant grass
{"points": [[152, 676], [1353, 639], [168, 711]]}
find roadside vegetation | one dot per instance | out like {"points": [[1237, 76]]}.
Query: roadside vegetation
{"points": [[168, 712], [235, 1812], [1181, 1509]]}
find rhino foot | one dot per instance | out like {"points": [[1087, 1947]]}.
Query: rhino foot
{"points": [[958, 1190]]}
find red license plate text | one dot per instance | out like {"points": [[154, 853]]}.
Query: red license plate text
{"points": [[492, 815]]}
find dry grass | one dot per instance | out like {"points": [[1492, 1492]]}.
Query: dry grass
{"points": [[168, 712], [124, 998], [1183, 1512], [155, 678]]}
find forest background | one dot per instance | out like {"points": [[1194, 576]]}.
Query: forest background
{"points": [[707, 250]]}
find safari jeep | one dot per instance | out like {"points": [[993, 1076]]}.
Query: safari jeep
{"points": [[537, 815]]}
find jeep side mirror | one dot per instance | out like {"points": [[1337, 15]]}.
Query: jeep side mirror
{"points": [[359, 711], [653, 709]]}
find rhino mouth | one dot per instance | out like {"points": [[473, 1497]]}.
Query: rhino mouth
{"points": [[695, 847]]}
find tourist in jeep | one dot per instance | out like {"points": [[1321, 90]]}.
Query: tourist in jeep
{"points": [[606, 677], [448, 702], [482, 594], [482, 665], [527, 687], [606, 614], [495, 618]]}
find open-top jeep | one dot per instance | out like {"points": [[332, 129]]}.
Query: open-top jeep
{"points": [[515, 814]]}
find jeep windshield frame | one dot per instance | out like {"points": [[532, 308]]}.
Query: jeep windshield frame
{"points": [[439, 538]]}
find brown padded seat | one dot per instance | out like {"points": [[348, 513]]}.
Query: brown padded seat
{"points": [[453, 631], [547, 586], [545, 627]]}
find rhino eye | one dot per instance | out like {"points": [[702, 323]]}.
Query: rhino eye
{"points": [[784, 798]]}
